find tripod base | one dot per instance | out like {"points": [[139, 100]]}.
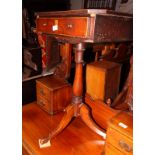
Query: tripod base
{"points": [[70, 112]]}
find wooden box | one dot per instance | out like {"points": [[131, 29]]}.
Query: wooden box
{"points": [[120, 135], [102, 80], [53, 94]]}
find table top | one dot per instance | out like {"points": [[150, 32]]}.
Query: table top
{"points": [[76, 139], [86, 25]]}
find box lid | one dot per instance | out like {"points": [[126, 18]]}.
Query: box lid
{"points": [[104, 64], [52, 82]]}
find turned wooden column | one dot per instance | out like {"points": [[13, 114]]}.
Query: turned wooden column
{"points": [[78, 78]]}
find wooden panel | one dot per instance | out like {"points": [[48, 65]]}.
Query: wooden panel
{"points": [[52, 53], [65, 52], [42, 24], [43, 103], [42, 90], [111, 150], [115, 138], [95, 82], [69, 26], [102, 80], [113, 28], [112, 81], [61, 98]]}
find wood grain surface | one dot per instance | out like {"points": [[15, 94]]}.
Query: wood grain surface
{"points": [[76, 139]]}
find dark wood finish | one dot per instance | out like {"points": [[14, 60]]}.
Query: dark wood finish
{"points": [[53, 94], [125, 98], [65, 52], [120, 136], [122, 31], [63, 69], [120, 54], [50, 52], [36, 123], [65, 26], [100, 28], [102, 80], [87, 25]]}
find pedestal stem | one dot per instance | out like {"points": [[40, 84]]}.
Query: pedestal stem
{"points": [[78, 78]]}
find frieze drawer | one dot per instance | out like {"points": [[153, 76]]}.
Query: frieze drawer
{"points": [[68, 26]]}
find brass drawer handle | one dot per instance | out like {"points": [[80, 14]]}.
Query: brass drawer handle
{"points": [[125, 146], [41, 103], [42, 92]]}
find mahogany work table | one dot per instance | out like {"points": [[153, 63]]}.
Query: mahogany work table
{"points": [[79, 27]]}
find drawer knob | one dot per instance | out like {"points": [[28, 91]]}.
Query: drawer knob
{"points": [[41, 103], [69, 25], [125, 146], [44, 24]]}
